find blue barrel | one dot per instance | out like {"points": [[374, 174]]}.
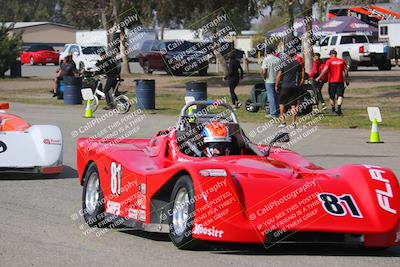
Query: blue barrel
{"points": [[72, 90], [197, 89], [60, 90], [145, 94]]}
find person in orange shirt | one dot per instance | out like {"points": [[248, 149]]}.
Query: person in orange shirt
{"points": [[338, 74]]}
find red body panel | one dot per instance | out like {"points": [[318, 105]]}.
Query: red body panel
{"points": [[279, 194], [40, 57]]}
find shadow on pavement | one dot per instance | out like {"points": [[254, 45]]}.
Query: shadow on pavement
{"points": [[68, 173], [346, 156], [148, 235], [305, 250]]}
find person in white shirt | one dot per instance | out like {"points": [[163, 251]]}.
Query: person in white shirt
{"points": [[269, 70]]}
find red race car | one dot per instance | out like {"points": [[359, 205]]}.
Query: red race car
{"points": [[39, 54], [204, 180]]}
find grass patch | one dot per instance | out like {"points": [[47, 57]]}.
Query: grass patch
{"points": [[170, 103]]}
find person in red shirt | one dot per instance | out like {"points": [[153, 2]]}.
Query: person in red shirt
{"points": [[317, 68], [338, 73]]}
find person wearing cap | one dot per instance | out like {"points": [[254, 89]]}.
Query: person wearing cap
{"points": [[67, 68], [287, 84], [337, 75], [269, 70]]}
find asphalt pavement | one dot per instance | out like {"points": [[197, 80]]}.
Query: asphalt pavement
{"points": [[39, 227]]}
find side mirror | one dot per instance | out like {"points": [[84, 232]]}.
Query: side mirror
{"points": [[281, 137]]}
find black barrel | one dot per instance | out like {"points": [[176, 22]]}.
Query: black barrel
{"points": [[72, 90], [145, 94], [197, 89], [15, 68]]}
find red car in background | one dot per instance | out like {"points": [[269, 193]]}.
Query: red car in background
{"points": [[40, 54]]}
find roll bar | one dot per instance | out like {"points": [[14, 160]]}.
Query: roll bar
{"points": [[208, 103]]}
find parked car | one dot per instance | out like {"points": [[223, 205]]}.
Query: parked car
{"points": [[174, 57], [225, 48], [39, 54], [85, 57], [356, 49]]}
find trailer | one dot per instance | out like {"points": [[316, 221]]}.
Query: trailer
{"points": [[389, 31], [135, 39]]}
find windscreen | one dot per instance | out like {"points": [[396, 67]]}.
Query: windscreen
{"points": [[95, 50]]}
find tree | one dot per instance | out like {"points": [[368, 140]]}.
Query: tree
{"points": [[10, 47], [38, 10], [308, 35], [238, 14]]}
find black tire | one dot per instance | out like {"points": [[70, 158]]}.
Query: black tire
{"points": [[81, 67], [250, 107], [146, 68], [177, 72], [56, 64], [183, 240], [203, 71], [352, 65], [385, 65], [95, 218]]}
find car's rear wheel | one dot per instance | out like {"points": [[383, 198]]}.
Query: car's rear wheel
{"points": [[181, 214], [203, 71], [146, 68], [32, 61], [92, 198], [384, 65], [81, 67], [350, 62]]}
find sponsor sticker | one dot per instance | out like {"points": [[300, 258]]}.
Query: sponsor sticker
{"points": [[142, 215], [113, 207], [3, 147], [48, 141], [133, 214], [199, 229]]}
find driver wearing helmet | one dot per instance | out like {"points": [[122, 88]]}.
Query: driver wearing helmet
{"points": [[216, 140]]}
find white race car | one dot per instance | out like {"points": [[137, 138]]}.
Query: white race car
{"points": [[29, 148]]}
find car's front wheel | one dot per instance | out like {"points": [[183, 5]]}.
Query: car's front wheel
{"points": [[181, 214], [92, 198]]}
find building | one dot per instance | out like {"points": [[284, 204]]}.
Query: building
{"points": [[44, 32]]}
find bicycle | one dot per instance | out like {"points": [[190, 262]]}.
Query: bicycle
{"points": [[119, 101]]}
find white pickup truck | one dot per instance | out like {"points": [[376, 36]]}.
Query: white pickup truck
{"points": [[356, 49], [85, 57]]}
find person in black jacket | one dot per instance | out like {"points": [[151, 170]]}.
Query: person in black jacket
{"points": [[233, 78], [67, 68], [108, 66]]}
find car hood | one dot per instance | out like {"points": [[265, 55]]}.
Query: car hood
{"points": [[278, 196]]}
